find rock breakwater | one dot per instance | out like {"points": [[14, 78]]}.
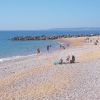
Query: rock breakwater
{"points": [[48, 37]]}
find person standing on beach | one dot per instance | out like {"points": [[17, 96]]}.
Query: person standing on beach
{"points": [[48, 48], [38, 51], [60, 46]]}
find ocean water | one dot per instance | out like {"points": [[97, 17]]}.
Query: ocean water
{"points": [[10, 48]]}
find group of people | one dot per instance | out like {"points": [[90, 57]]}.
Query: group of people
{"points": [[61, 61], [48, 48], [69, 59], [95, 41], [62, 46]]}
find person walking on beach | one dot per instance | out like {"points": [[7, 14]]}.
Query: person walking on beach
{"points": [[48, 48], [60, 46], [38, 51]]}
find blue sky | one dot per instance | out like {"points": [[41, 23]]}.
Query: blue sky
{"points": [[45, 14]]}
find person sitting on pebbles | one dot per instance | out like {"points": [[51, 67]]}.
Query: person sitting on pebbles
{"points": [[73, 59], [61, 61], [68, 59]]}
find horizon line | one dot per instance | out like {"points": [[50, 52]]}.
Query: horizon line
{"points": [[45, 29]]}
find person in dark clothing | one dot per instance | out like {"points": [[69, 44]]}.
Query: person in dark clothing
{"points": [[38, 51], [61, 61], [48, 48], [73, 59]]}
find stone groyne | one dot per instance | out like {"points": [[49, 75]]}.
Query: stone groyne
{"points": [[23, 38]]}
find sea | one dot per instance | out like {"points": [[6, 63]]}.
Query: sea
{"points": [[13, 49]]}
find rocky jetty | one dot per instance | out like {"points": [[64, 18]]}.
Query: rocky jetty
{"points": [[43, 37], [37, 37]]}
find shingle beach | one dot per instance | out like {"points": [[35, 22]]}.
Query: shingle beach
{"points": [[37, 78]]}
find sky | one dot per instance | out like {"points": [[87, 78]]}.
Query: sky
{"points": [[47, 14]]}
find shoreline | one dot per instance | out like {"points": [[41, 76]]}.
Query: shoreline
{"points": [[43, 52], [38, 78], [73, 42]]}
